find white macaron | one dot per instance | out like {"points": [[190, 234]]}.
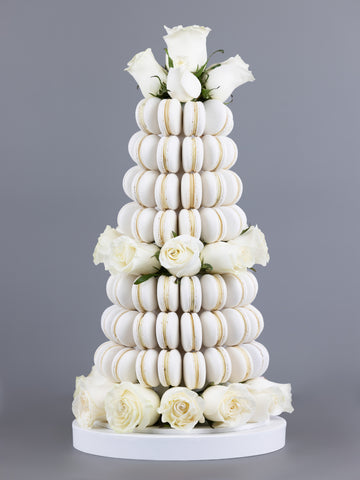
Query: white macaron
{"points": [[260, 358], [192, 154], [144, 295], [233, 187], [241, 287], [241, 364], [219, 118], [235, 220], [129, 178], [134, 139], [191, 190], [144, 330], [194, 119], [214, 328], [104, 355], [168, 293], [190, 332], [170, 368], [123, 365], [189, 222], [141, 223], [164, 226], [146, 115], [147, 368], [194, 370], [143, 151], [118, 290], [218, 365], [117, 325], [143, 187], [214, 292], [219, 152], [167, 191], [190, 294], [213, 224], [124, 218], [170, 117], [168, 154], [167, 330], [213, 188], [244, 324]]}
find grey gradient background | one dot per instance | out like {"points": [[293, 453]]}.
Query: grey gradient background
{"points": [[66, 114]]}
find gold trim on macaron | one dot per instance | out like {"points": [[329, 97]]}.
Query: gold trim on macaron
{"points": [[115, 367], [193, 153], [220, 291], [221, 156], [138, 152], [196, 117], [141, 116], [166, 116]]}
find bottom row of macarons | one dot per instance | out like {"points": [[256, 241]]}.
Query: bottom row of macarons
{"points": [[193, 369]]}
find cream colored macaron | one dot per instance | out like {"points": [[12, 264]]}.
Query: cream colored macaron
{"points": [[233, 187], [129, 178], [124, 218], [117, 324], [167, 330], [194, 119], [118, 290], [168, 154], [213, 188], [143, 187], [144, 330], [218, 365], [260, 358], [170, 368], [241, 287], [219, 118], [104, 356], [170, 117], [241, 364], [194, 370], [146, 115], [214, 328], [123, 365], [134, 139], [168, 293], [167, 191], [213, 224], [191, 190], [143, 151], [147, 368], [141, 224], [144, 295], [164, 226], [190, 294], [190, 332], [235, 220], [214, 292], [244, 324], [219, 152], [192, 154], [189, 222]]}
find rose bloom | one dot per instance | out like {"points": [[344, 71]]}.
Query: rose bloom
{"points": [[144, 68], [253, 241], [103, 247], [181, 255], [181, 408], [226, 258]]}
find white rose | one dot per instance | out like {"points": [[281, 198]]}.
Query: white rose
{"points": [[226, 258], [129, 256], [181, 255], [130, 406], [103, 247], [253, 241], [271, 398], [89, 396], [144, 68], [187, 46], [223, 80], [181, 408], [228, 406], [182, 84]]}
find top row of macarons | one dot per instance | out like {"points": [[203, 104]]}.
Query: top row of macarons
{"points": [[169, 117]]}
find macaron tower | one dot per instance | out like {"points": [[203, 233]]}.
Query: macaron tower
{"points": [[181, 322]]}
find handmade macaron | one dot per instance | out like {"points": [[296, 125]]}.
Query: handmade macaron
{"points": [[143, 151], [146, 115], [213, 188], [219, 118], [167, 191], [143, 186], [219, 152], [194, 370], [104, 355], [189, 222], [190, 331], [169, 368], [164, 226], [235, 220], [218, 365], [129, 178], [123, 365], [124, 218], [244, 324], [118, 290], [168, 154], [117, 325], [190, 294], [144, 295], [194, 119], [259, 319], [144, 332], [213, 224], [168, 293], [134, 139], [260, 358], [233, 187], [242, 288], [214, 328], [141, 224], [147, 368], [214, 292], [241, 364], [191, 190], [170, 117], [167, 330], [192, 154]]}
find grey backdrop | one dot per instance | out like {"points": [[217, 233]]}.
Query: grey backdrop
{"points": [[67, 112]]}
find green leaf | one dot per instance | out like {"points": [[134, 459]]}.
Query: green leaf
{"points": [[253, 269], [174, 234], [156, 255], [163, 92], [246, 229], [143, 278], [170, 60]]}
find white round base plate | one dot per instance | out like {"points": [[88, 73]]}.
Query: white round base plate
{"points": [[199, 444]]}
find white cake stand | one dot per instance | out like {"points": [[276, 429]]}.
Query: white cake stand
{"points": [[199, 444]]}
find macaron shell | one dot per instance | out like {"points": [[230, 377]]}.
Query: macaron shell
{"points": [[214, 328], [167, 191], [117, 324], [168, 293], [123, 365], [213, 188], [144, 295], [169, 368], [189, 222], [241, 364], [190, 294], [144, 330], [194, 370], [168, 154], [118, 290], [214, 292], [214, 152], [146, 115], [191, 190], [192, 154], [231, 152], [167, 330], [141, 224], [260, 356], [170, 117], [165, 223], [236, 326], [128, 180], [233, 187], [258, 318], [213, 225], [134, 140], [104, 355], [144, 151], [194, 118], [147, 368], [218, 365], [124, 218], [190, 332], [235, 220], [219, 118], [242, 288], [143, 187]]}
